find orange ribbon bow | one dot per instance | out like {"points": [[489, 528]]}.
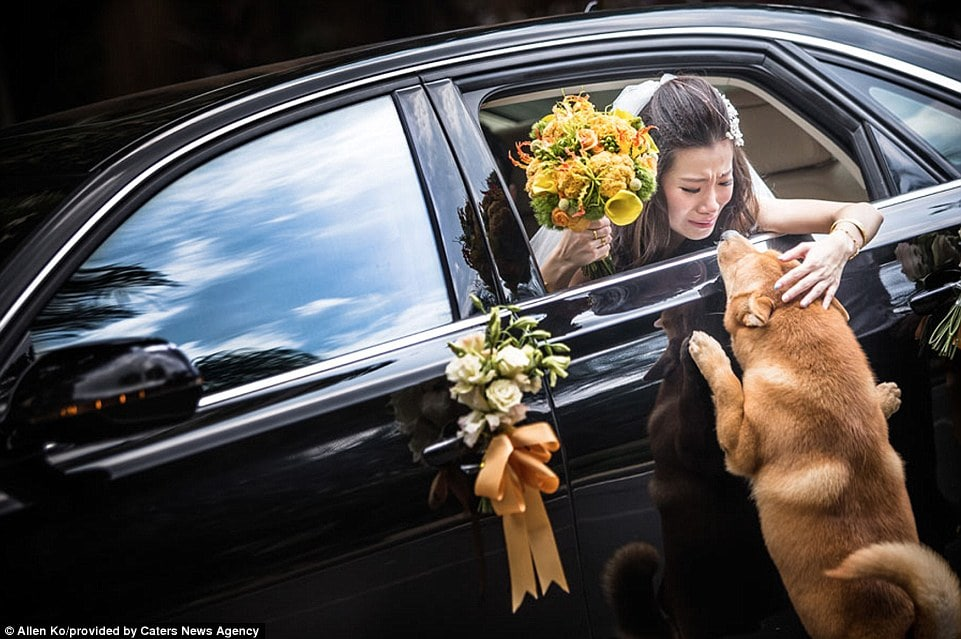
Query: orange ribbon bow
{"points": [[513, 475]]}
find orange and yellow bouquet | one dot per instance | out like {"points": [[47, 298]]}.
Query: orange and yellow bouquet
{"points": [[583, 164]]}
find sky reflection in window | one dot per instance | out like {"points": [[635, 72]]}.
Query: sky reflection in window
{"points": [[313, 240]]}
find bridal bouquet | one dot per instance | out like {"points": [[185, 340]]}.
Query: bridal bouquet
{"points": [[927, 257], [490, 373], [583, 164], [946, 336]]}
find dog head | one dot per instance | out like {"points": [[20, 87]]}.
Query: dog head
{"points": [[749, 276]]}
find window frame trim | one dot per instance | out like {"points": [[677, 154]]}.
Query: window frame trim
{"points": [[878, 116], [202, 120]]}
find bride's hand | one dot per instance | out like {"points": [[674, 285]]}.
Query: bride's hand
{"points": [[819, 274], [580, 248], [575, 250]]}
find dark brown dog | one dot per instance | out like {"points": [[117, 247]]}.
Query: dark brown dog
{"points": [[807, 425], [704, 592]]}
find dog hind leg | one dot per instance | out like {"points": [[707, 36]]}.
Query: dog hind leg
{"points": [[890, 397]]}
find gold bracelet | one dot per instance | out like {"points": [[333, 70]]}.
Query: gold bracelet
{"points": [[855, 224], [854, 241]]}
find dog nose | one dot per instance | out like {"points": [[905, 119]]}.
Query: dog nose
{"points": [[729, 234]]}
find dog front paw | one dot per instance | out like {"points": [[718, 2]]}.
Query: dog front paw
{"points": [[889, 395], [707, 353]]}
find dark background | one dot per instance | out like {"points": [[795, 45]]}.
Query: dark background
{"points": [[57, 54]]}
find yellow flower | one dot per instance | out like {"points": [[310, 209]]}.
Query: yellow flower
{"points": [[648, 162], [587, 138], [643, 142], [620, 130], [542, 182], [571, 180], [613, 171], [623, 208]]}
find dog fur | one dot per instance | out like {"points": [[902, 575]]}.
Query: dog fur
{"points": [[807, 425]]}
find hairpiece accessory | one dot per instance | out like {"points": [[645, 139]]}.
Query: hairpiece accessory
{"points": [[734, 121], [635, 97]]}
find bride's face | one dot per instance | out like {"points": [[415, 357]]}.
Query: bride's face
{"points": [[697, 187]]}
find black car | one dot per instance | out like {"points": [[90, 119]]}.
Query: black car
{"points": [[225, 310]]}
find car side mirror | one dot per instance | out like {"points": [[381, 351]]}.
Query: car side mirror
{"points": [[101, 390]]}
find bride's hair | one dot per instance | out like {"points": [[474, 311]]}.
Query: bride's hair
{"points": [[687, 112]]}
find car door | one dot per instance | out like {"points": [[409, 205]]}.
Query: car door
{"points": [[635, 418], [315, 284]]}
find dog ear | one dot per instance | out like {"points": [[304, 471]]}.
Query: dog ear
{"points": [[836, 304], [756, 311]]}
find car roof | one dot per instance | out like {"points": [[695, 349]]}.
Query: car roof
{"points": [[43, 160], [124, 120]]}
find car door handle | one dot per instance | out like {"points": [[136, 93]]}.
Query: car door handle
{"points": [[448, 451], [938, 292]]}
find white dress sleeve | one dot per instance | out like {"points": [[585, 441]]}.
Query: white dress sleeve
{"points": [[761, 189], [544, 242]]}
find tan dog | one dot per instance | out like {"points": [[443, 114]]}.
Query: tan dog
{"points": [[808, 426]]}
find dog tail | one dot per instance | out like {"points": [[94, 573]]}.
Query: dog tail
{"points": [[628, 584], [922, 573]]}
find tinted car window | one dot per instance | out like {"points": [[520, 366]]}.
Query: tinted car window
{"points": [[299, 246], [938, 123]]}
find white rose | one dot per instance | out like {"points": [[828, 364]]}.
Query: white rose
{"points": [[472, 397], [503, 394], [943, 251], [531, 353], [511, 361], [472, 343], [912, 261], [470, 427], [517, 413], [528, 384], [474, 423], [467, 369]]}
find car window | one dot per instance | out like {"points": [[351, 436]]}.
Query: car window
{"points": [[299, 246], [936, 122], [804, 163]]}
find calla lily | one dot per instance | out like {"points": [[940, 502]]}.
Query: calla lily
{"points": [[623, 208], [544, 182]]}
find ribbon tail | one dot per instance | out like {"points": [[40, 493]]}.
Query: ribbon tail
{"points": [[519, 559], [543, 547]]}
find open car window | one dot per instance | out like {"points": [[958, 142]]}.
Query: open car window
{"points": [[802, 163]]}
